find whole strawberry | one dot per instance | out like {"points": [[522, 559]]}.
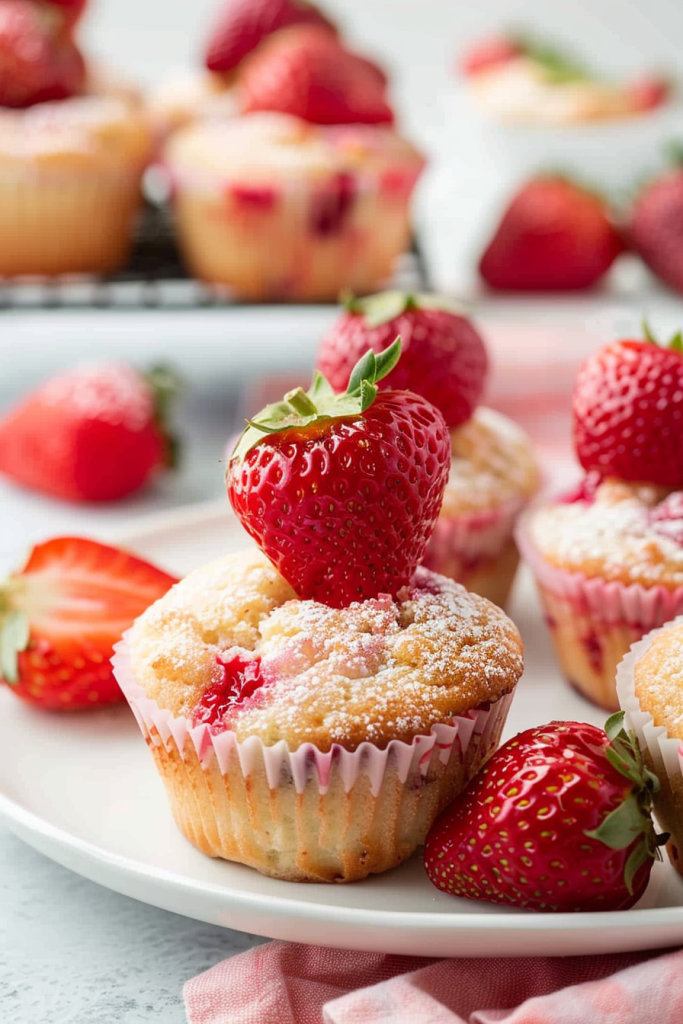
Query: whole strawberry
{"points": [[37, 63], [61, 616], [554, 236], [558, 820], [628, 400], [242, 25], [95, 434], [443, 358], [656, 227], [306, 72], [341, 492]]}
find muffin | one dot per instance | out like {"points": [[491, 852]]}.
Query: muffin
{"points": [[493, 477], [276, 208], [315, 743], [70, 176], [73, 146], [608, 563], [650, 689]]}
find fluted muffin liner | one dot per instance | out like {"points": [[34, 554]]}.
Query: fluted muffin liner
{"points": [[663, 753], [59, 222], [594, 621], [478, 550], [305, 814]]}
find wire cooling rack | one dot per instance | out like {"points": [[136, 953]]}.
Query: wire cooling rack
{"points": [[155, 278]]}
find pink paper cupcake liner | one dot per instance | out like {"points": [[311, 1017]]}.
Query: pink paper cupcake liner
{"points": [[475, 731]]}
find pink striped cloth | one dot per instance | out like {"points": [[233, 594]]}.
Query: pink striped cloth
{"points": [[287, 983]]}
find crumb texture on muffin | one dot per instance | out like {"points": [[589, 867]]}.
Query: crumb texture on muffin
{"points": [[375, 671], [630, 533], [493, 465], [658, 680]]}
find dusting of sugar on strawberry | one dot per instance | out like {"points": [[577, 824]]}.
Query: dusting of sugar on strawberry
{"points": [[61, 616], [342, 492], [558, 820], [443, 357], [96, 433]]}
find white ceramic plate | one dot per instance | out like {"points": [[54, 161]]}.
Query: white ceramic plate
{"points": [[84, 791]]}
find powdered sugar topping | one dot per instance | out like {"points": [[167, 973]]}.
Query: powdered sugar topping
{"points": [[110, 393], [376, 670]]}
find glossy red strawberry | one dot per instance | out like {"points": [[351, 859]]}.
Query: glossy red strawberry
{"points": [[443, 358], [628, 409], [37, 63], [656, 227], [242, 25], [341, 492], [305, 71], [553, 236], [489, 53], [94, 434], [61, 616], [559, 819]]}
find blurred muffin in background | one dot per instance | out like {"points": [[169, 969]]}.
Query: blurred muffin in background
{"points": [[519, 79], [73, 146], [274, 207]]}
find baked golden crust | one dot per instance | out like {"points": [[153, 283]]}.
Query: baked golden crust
{"points": [[493, 464], [658, 680], [374, 671], [614, 537]]}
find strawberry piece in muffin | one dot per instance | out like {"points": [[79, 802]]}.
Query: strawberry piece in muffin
{"points": [[307, 72], [627, 407], [342, 492], [443, 357], [558, 820], [61, 616]]}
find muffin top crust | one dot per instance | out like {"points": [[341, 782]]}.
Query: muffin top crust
{"points": [[630, 533], [264, 146], [492, 465], [76, 134], [374, 671], [658, 680]]}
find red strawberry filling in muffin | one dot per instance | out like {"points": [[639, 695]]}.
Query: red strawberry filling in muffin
{"points": [[240, 677]]}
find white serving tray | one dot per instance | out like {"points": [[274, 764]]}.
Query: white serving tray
{"points": [[83, 790]]}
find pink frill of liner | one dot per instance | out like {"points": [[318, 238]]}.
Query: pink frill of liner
{"points": [[161, 726], [644, 608]]}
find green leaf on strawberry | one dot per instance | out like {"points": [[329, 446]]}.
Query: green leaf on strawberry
{"points": [[300, 409]]}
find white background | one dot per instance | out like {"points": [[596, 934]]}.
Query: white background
{"points": [[418, 38]]}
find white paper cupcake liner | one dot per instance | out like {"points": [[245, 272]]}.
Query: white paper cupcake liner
{"points": [[666, 752], [466, 736]]}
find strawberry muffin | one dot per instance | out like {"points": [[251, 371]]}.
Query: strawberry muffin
{"points": [[273, 207], [73, 147], [313, 707], [608, 557], [493, 472], [649, 686], [315, 743]]}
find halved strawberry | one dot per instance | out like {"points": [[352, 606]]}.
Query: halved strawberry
{"points": [[61, 616]]}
